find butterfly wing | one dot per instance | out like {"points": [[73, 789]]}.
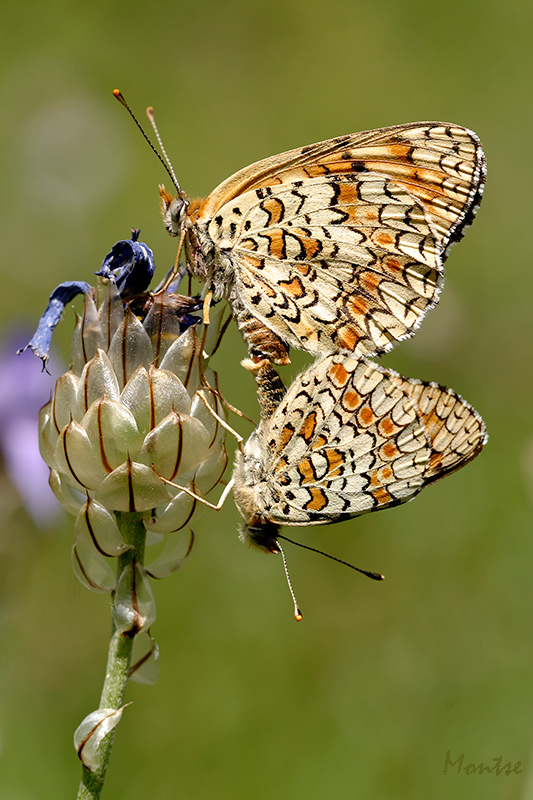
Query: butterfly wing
{"points": [[340, 245], [455, 430], [351, 436], [348, 263]]}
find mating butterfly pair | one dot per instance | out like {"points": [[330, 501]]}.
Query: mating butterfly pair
{"points": [[338, 248]]}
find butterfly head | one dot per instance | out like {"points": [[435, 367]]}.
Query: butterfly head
{"points": [[260, 533], [174, 210]]}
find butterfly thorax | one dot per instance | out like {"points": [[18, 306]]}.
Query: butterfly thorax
{"points": [[255, 529], [249, 475], [210, 265], [250, 487], [250, 491]]}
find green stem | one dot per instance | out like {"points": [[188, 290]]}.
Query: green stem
{"points": [[118, 659]]}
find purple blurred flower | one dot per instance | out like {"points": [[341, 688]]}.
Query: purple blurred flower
{"points": [[23, 390]]}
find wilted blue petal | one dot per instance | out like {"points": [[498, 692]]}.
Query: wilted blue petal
{"points": [[62, 294], [130, 265]]}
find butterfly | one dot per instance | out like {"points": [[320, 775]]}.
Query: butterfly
{"points": [[337, 246], [348, 437]]}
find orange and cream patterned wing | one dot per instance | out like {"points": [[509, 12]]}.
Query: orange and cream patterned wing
{"points": [[344, 441], [455, 430], [351, 437], [341, 244]]}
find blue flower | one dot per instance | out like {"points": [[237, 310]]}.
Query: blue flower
{"points": [[130, 264]]}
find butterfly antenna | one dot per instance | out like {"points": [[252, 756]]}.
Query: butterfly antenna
{"points": [[170, 172], [297, 612], [376, 576]]}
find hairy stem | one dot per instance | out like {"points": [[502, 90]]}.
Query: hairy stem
{"points": [[118, 659]]}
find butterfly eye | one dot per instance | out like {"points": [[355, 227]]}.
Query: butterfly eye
{"points": [[174, 210], [178, 210]]}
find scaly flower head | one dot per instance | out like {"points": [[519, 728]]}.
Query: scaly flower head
{"points": [[131, 414]]}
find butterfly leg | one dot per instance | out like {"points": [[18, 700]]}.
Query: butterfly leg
{"points": [[199, 498], [215, 389], [219, 419], [175, 271]]}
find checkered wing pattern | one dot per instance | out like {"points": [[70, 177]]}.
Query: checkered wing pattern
{"points": [[455, 430], [340, 245], [349, 437]]}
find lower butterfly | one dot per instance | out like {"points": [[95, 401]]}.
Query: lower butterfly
{"points": [[337, 246], [348, 437]]}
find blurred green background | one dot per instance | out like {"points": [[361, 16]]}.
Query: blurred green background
{"points": [[367, 694]]}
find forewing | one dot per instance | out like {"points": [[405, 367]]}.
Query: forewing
{"points": [[345, 440], [340, 245], [333, 264], [438, 161]]}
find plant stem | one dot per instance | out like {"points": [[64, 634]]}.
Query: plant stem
{"points": [[118, 658]]}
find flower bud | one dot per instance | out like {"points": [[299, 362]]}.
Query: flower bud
{"points": [[134, 602], [91, 731]]}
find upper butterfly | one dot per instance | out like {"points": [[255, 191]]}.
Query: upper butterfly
{"points": [[335, 246]]}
